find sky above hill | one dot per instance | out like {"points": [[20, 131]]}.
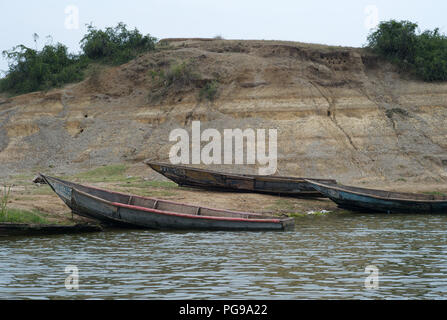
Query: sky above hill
{"points": [[342, 22]]}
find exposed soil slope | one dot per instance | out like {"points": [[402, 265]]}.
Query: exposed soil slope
{"points": [[340, 113]]}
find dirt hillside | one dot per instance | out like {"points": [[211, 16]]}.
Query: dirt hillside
{"points": [[340, 113]]}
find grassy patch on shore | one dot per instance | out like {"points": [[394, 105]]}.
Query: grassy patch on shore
{"points": [[147, 192], [23, 216], [297, 215], [149, 184], [283, 205], [111, 173], [116, 174], [39, 191], [149, 188], [22, 179]]}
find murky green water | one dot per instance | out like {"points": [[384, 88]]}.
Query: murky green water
{"points": [[324, 258]]}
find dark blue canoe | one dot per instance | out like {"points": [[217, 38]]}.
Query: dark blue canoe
{"points": [[125, 210], [371, 200]]}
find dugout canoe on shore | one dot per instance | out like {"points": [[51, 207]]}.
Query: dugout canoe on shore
{"points": [[131, 211], [371, 200], [215, 180], [25, 229]]}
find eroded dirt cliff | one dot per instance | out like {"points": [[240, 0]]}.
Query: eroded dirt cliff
{"points": [[340, 112]]}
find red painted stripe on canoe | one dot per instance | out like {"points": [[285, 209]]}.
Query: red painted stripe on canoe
{"points": [[192, 216]]}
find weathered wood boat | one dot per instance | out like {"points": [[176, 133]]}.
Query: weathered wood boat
{"points": [[25, 229], [209, 179], [371, 200], [125, 210]]}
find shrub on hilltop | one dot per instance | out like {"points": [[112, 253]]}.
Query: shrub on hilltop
{"points": [[53, 66], [423, 54]]}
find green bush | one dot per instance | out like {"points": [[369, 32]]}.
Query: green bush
{"points": [[395, 40], [431, 58], [32, 70], [209, 91], [116, 45], [423, 54], [180, 75]]}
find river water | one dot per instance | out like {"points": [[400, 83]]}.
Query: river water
{"points": [[323, 258]]}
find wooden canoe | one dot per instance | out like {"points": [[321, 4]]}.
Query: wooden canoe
{"points": [[209, 179], [371, 200], [125, 210], [26, 229]]}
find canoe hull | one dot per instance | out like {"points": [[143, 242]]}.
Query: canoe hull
{"points": [[25, 229], [87, 202], [368, 203], [214, 180]]}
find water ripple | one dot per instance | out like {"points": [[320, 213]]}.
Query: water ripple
{"points": [[325, 257]]}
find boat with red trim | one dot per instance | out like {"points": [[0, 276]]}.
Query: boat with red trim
{"points": [[124, 210]]}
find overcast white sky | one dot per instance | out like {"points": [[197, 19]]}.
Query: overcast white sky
{"points": [[341, 22]]}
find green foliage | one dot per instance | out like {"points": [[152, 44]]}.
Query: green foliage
{"points": [[423, 54], [395, 40], [32, 70], [180, 75], [150, 184], [114, 172], [115, 45], [209, 91], [23, 216], [4, 202], [431, 58]]}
